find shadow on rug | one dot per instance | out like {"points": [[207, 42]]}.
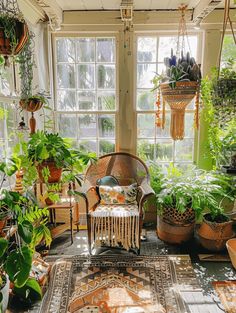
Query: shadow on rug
{"points": [[119, 284]]}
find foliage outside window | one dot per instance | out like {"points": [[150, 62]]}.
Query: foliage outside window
{"points": [[152, 142], [86, 91]]}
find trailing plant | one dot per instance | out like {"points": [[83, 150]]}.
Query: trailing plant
{"points": [[9, 25]]}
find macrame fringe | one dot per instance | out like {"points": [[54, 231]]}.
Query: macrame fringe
{"points": [[115, 231]]}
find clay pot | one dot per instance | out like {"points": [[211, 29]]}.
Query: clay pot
{"points": [[175, 227], [213, 235], [22, 35], [55, 172]]}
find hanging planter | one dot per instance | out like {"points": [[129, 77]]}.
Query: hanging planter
{"points": [[178, 99], [178, 85], [32, 104], [13, 35]]}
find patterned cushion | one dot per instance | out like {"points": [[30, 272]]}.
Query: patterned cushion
{"points": [[118, 194], [115, 210]]}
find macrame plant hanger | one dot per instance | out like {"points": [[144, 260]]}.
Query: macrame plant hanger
{"points": [[179, 97]]}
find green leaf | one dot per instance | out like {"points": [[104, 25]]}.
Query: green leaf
{"points": [[25, 230], [18, 265], [3, 246], [30, 292]]}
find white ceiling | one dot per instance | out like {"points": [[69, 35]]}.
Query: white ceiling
{"points": [[115, 4]]}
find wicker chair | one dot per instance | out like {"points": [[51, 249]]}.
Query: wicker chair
{"points": [[121, 225]]}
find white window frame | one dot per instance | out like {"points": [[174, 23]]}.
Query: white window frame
{"points": [[157, 35], [94, 112]]}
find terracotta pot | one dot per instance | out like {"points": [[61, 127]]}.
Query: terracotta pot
{"points": [[3, 222], [213, 236], [22, 35], [231, 247], [55, 172], [31, 104], [174, 233]]}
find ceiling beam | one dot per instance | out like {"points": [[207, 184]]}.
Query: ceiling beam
{"points": [[31, 11], [204, 8], [53, 11]]}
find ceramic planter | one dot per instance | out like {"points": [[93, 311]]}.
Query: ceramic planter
{"points": [[213, 236]]}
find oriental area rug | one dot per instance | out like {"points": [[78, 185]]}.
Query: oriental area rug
{"points": [[119, 284], [226, 291]]}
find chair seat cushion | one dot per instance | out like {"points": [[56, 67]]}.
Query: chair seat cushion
{"points": [[115, 210]]}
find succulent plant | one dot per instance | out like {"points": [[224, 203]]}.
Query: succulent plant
{"points": [[183, 68]]}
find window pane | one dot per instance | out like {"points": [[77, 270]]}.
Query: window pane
{"points": [[147, 49], [88, 145], [189, 125], [106, 146], [86, 76], [67, 125], [105, 49], [106, 76], [86, 50], [146, 125], [184, 150], [106, 125], [65, 50], [87, 100], [66, 100], [165, 45], [106, 100], [145, 149], [164, 150], [164, 133], [146, 100], [87, 125], [66, 76], [145, 73]]}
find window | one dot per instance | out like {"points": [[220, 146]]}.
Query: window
{"points": [[152, 142], [8, 112], [86, 92]]}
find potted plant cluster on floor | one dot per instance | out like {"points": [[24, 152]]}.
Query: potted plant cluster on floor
{"points": [[182, 197], [16, 256]]}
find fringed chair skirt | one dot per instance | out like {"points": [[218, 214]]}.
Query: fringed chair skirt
{"points": [[115, 225]]}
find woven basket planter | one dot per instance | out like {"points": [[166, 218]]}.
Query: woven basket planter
{"points": [[22, 35], [178, 98], [31, 104]]}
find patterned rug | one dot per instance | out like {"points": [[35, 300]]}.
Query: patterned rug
{"points": [[119, 284], [226, 291]]}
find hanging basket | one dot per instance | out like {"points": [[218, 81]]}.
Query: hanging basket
{"points": [[22, 34], [178, 98], [31, 104]]}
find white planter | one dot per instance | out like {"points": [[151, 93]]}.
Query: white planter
{"points": [[5, 293]]}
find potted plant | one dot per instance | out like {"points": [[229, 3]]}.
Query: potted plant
{"points": [[13, 34], [50, 153], [181, 198], [179, 85], [217, 227], [16, 257]]}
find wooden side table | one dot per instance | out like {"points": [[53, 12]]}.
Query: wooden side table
{"points": [[57, 230]]}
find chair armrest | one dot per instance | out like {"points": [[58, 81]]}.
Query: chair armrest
{"points": [[83, 193], [146, 191]]}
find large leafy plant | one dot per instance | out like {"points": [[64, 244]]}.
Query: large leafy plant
{"points": [[192, 188], [16, 257], [44, 146]]}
